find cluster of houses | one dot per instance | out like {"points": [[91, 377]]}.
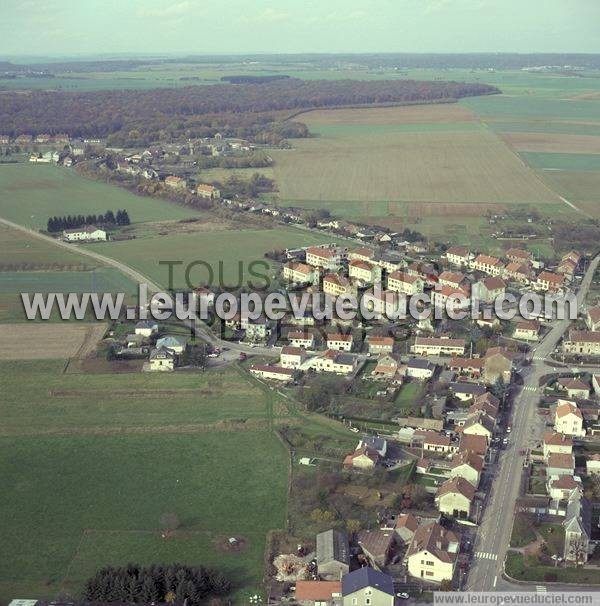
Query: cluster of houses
{"points": [[563, 483], [162, 353]]}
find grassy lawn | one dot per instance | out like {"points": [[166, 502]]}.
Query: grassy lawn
{"points": [[30, 194], [522, 532], [227, 253], [528, 569], [407, 400], [91, 462], [105, 504]]}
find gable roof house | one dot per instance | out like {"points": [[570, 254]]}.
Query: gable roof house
{"points": [[432, 553], [568, 419], [556, 443], [367, 587], [578, 529], [403, 282], [592, 318], [378, 545], [318, 593], [498, 365], [560, 464], [527, 330], [479, 424], [467, 465], [488, 265], [574, 387], [438, 346], [333, 554], [363, 457], [406, 526], [378, 344], [387, 368], [161, 360], [548, 281], [458, 255], [455, 497], [582, 342], [489, 289]]}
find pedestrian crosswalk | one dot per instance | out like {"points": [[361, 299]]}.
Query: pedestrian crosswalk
{"points": [[539, 358], [540, 589], [530, 388], [486, 555]]}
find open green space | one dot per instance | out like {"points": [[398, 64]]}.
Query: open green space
{"points": [[92, 462], [31, 193], [522, 568], [228, 253]]}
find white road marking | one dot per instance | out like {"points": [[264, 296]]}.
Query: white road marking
{"points": [[486, 555], [495, 580], [540, 589]]}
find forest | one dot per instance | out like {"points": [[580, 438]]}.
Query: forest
{"points": [[235, 108]]}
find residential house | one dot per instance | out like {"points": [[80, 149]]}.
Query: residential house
{"points": [[384, 303], [272, 372], [380, 345], [362, 253], [419, 368], [466, 391], [458, 255], [305, 340], [434, 441], [406, 526], [175, 182], [455, 497], [146, 328], [473, 443], [363, 458], [574, 387], [299, 273], [488, 265], [582, 342], [336, 285], [161, 360], [518, 255], [340, 342], [518, 272], [450, 299], [318, 593], [387, 368], [560, 464], [550, 282], [327, 257], [487, 403], [562, 488], [467, 465], [433, 553], [592, 464], [451, 278], [592, 318], [379, 445], [498, 365], [173, 343], [333, 554], [335, 361], [479, 424], [438, 346], [208, 191], [364, 272], [556, 443], [367, 587], [378, 545], [467, 367], [402, 282], [527, 330], [568, 419], [88, 233], [489, 289], [292, 357]]}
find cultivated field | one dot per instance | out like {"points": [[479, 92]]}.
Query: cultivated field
{"points": [[557, 143], [436, 167], [30, 194], [48, 341], [129, 449]]}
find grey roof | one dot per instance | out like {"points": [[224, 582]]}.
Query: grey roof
{"points": [[332, 546], [471, 388], [145, 324], [374, 442], [366, 577], [161, 354], [420, 363]]}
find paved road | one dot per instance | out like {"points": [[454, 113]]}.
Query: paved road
{"points": [[494, 533], [198, 327]]}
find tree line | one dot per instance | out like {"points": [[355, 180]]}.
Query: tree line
{"points": [[230, 108], [174, 583], [56, 224]]}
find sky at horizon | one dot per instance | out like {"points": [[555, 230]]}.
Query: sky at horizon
{"points": [[91, 27]]}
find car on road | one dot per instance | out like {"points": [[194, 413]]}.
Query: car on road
{"points": [[508, 429], [505, 441], [403, 595]]}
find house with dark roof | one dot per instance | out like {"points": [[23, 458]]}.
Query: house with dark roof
{"points": [[432, 553], [367, 587], [333, 554]]}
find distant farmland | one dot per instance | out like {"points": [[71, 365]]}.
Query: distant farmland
{"points": [[423, 154]]}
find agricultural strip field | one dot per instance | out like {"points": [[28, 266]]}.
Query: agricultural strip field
{"points": [[430, 166], [130, 449], [30, 194], [48, 341], [233, 249], [553, 143]]}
